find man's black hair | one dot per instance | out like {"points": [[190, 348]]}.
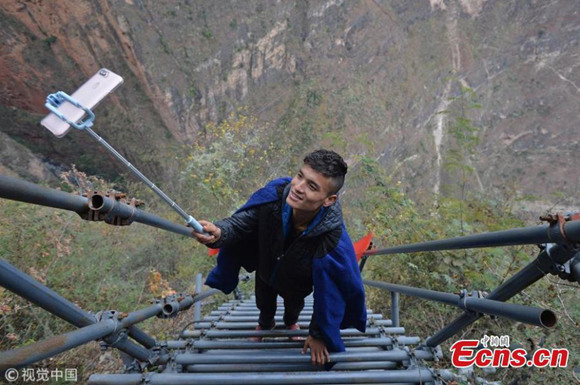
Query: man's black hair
{"points": [[329, 164]]}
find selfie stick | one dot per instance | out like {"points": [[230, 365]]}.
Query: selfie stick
{"points": [[55, 100]]}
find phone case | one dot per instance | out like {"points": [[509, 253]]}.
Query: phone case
{"points": [[89, 95]]}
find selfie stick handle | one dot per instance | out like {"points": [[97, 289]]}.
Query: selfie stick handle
{"points": [[52, 102]]}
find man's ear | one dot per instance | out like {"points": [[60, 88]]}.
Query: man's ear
{"points": [[330, 200]]}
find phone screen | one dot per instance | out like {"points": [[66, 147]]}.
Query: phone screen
{"points": [[89, 95]]}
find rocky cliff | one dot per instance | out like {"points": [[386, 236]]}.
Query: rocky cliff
{"points": [[367, 77]]}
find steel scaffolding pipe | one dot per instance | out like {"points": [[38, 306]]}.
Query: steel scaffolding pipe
{"points": [[395, 309], [22, 191], [205, 294], [241, 345], [255, 313], [251, 325], [112, 207], [396, 355], [378, 343], [527, 314], [198, 288], [242, 325], [575, 268], [253, 308], [104, 329], [235, 313], [278, 318], [569, 232], [174, 304], [25, 286], [28, 288], [252, 304], [302, 367], [52, 346], [285, 333], [412, 375], [546, 263]]}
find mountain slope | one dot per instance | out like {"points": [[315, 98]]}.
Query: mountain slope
{"points": [[365, 77]]}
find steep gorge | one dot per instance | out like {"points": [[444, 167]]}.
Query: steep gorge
{"points": [[376, 73]]}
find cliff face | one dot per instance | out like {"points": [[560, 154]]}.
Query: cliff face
{"points": [[374, 73], [55, 45]]}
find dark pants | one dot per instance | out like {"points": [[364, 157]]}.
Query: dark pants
{"points": [[266, 297]]}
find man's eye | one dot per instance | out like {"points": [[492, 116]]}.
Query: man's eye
{"points": [[312, 187]]}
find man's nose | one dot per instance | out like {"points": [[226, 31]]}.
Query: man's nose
{"points": [[299, 187]]}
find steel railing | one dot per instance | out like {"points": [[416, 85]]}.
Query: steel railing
{"points": [[559, 240], [559, 256], [111, 327]]}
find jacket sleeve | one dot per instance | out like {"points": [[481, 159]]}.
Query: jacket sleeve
{"points": [[339, 300], [314, 329], [237, 244], [237, 227]]}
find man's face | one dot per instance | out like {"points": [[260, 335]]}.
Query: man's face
{"points": [[309, 190]]}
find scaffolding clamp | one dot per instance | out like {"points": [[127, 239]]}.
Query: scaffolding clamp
{"points": [[118, 335], [559, 220], [97, 214]]}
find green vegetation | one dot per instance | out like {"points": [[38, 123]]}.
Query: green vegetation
{"points": [[93, 265], [101, 267], [380, 205], [464, 138], [164, 45], [206, 32], [49, 40], [194, 92]]}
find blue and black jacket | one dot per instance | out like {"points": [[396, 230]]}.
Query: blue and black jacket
{"points": [[322, 257]]}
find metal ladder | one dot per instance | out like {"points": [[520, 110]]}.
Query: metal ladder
{"points": [[219, 350]]}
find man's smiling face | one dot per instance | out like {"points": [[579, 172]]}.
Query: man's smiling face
{"points": [[310, 190]]}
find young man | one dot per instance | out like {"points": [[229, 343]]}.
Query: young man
{"points": [[292, 233]]}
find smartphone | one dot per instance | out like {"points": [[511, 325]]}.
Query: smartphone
{"points": [[89, 95]]}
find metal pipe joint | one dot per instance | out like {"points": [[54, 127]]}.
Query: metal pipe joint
{"points": [[173, 304], [118, 334], [112, 207]]}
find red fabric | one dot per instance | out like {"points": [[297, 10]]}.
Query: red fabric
{"points": [[362, 245], [211, 252]]}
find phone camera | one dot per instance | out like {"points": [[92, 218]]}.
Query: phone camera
{"points": [[104, 73]]}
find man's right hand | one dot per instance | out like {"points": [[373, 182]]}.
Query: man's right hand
{"points": [[318, 352], [214, 233]]}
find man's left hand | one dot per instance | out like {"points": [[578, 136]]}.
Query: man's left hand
{"points": [[318, 352]]}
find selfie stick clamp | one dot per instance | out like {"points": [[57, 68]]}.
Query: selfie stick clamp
{"points": [[55, 100]]}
